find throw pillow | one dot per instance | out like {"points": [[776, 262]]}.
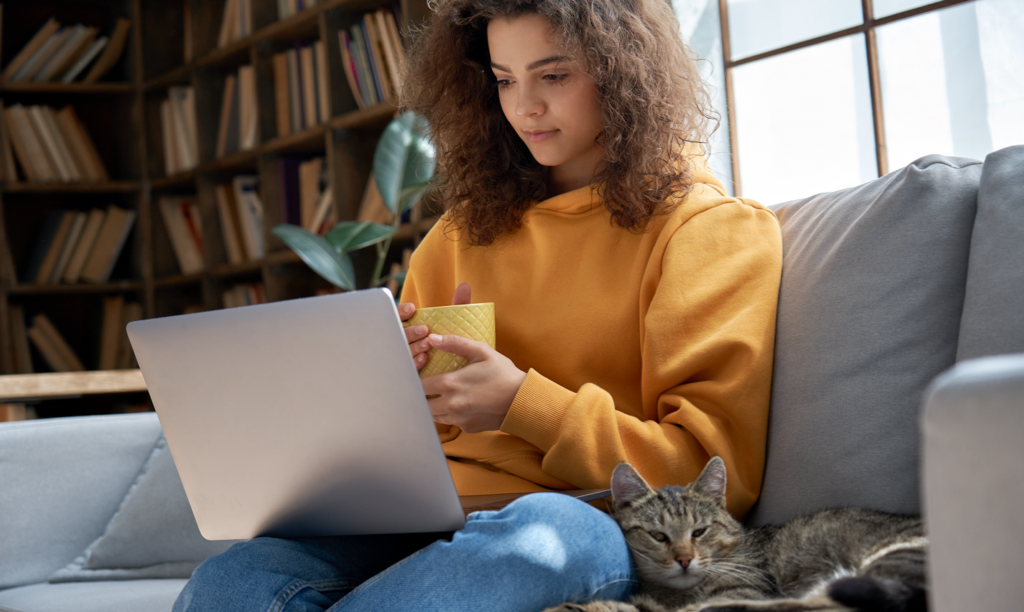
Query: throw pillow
{"points": [[153, 534]]}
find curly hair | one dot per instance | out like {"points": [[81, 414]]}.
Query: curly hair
{"points": [[651, 96]]}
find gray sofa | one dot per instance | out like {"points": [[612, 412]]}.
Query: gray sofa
{"points": [[899, 384]]}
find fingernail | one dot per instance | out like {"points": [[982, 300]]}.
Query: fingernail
{"points": [[406, 308], [420, 330], [435, 339]]}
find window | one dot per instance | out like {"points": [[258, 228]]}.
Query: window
{"points": [[818, 95]]}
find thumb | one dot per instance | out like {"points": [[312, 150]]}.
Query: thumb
{"points": [[458, 345]]}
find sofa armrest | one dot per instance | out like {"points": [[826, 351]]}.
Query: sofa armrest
{"points": [[973, 484], [61, 480]]}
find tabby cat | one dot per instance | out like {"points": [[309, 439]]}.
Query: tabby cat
{"points": [[692, 555]]}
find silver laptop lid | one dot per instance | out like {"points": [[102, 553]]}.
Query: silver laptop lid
{"points": [[298, 418]]}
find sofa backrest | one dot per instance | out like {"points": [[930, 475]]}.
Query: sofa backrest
{"points": [[61, 480], [869, 313], [993, 318]]}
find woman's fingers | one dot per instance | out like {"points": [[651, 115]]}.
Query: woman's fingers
{"points": [[405, 311]]}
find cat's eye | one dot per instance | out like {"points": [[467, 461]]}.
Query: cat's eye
{"points": [[698, 532], [657, 535]]}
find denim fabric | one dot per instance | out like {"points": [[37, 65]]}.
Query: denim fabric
{"points": [[539, 551]]}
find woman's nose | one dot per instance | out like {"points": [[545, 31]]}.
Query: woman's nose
{"points": [[528, 103]]}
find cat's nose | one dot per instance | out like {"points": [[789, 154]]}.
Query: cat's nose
{"points": [[684, 560]]}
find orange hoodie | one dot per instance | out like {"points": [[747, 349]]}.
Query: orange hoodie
{"points": [[654, 349]]}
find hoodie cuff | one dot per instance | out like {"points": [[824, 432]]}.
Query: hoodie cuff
{"points": [[537, 411]]}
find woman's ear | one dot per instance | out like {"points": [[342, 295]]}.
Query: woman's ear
{"points": [[628, 487]]}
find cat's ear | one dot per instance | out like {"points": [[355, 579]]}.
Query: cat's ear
{"points": [[628, 487], [711, 482]]}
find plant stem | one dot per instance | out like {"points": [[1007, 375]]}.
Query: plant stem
{"points": [[382, 253]]}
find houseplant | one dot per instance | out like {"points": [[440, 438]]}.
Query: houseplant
{"points": [[403, 164]]}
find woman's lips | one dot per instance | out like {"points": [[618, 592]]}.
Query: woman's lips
{"points": [[540, 136]]}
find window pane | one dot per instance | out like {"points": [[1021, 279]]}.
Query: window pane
{"points": [[702, 31], [804, 123], [951, 81], [884, 8], [756, 26]]}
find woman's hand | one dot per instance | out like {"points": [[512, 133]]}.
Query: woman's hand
{"points": [[415, 335], [477, 396]]}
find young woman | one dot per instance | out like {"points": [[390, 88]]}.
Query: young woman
{"points": [[635, 306]]}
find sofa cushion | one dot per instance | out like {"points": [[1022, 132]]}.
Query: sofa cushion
{"points": [[62, 480], [869, 312], [124, 596], [152, 535], [992, 323]]}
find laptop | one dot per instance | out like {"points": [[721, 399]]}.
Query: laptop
{"points": [[302, 418]]}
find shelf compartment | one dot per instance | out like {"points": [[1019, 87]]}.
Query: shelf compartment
{"points": [[113, 287], [110, 187]]}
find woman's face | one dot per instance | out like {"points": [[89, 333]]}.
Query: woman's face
{"points": [[546, 97]]}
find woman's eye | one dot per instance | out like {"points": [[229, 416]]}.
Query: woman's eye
{"points": [[698, 532], [659, 536], [555, 78], [503, 84]]}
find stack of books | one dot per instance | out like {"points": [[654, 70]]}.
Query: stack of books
{"points": [[241, 219], [300, 88], [373, 57], [52, 145], [244, 295], [64, 52], [305, 196], [76, 246], [237, 130], [185, 228], [181, 140], [236, 23], [54, 349]]}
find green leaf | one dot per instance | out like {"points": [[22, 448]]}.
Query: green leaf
{"points": [[404, 157], [349, 236], [408, 197], [318, 255]]}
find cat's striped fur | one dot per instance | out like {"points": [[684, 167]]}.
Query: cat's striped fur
{"points": [[692, 555]]}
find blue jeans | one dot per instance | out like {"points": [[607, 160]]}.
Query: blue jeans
{"points": [[538, 552]]}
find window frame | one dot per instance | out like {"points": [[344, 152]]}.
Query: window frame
{"points": [[866, 27]]}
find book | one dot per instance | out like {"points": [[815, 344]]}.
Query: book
{"points": [[309, 190], [109, 242], [187, 249], [282, 92], [77, 41], [10, 171], [49, 140], [19, 338], [309, 93], [387, 48], [178, 128], [171, 164], [86, 241], [228, 23], [41, 55], [372, 208], [30, 49], [377, 55], [90, 54], [82, 144], [248, 119], [52, 345], [250, 213], [288, 190], [74, 235], [125, 356], [44, 241], [324, 83], [323, 218], [227, 133], [366, 80], [111, 53], [46, 267], [110, 332], [49, 118], [296, 103], [230, 224], [349, 68]]}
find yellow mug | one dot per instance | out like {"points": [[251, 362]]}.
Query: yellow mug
{"points": [[473, 321]]}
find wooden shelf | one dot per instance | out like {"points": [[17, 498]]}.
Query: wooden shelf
{"points": [[112, 287], [179, 76], [111, 187], [21, 387], [67, 88], [178, 279]]}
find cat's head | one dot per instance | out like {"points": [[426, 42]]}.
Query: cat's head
{"points": [[675, 533]]}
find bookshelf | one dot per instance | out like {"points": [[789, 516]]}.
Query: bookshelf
{"points": [[170, 44]]}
